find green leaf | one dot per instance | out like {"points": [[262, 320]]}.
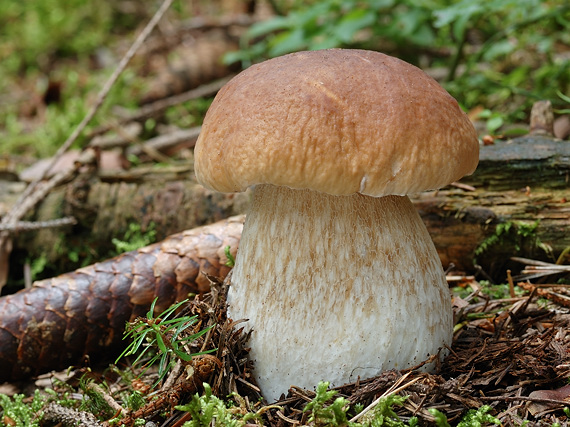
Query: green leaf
{"points": [[440, 418], [459, 26], [423, 36], [462, 10], [353, 22], [562, 96], [478, 417], [265, 27], [231, 261], [150, 313], [517, 77], [287, 42], [499, 48], [161, 346], [409, 20]]}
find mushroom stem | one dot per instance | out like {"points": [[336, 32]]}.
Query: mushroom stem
{"points": [[336, 287]]}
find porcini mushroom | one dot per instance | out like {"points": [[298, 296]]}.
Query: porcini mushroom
{"points": [[336, 273]]}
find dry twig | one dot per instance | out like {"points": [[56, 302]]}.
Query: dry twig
{"points": [[38, 225]]}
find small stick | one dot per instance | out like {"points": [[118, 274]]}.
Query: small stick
{"points": [[174, 374], [529, 261], [38, 225], [286, 419], [511, 284], [463, 186], [107, 398]]}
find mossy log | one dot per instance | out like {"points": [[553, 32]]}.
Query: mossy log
{"points": [[166, 201], [487, 228], [518, 205]]}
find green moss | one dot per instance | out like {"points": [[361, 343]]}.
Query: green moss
{"points": [[135, 238], [511, 235], [17, 413]]}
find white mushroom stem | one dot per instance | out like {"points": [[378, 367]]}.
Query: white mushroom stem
{"points": [[336, 287]]}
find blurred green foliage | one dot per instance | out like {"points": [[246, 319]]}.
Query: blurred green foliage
{"points": [[33, 32], [53, 41], [334, 23], [71, 43], [501, 54], [59, 119]]}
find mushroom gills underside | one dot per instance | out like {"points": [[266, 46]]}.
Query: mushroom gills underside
{"points": [[336, 288]]}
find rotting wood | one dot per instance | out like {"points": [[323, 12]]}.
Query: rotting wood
{"points": [[528, 161], [169, 200], [461, 223], [522, 181]]}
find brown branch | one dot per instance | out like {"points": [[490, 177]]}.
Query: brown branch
{"points": [[163, 142], [37, 225], [154, 108]]}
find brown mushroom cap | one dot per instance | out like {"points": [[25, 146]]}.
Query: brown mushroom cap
{"points": [[337, 121]]}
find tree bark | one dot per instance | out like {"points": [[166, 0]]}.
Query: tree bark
{"points": [[168, 201], [520, 206]]}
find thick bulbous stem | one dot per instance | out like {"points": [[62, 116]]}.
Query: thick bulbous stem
{"points": [[336, 288]]}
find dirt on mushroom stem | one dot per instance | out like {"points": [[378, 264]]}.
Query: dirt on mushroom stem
{"points": [[355, 279]]}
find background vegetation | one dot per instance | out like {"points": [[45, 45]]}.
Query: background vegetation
{"points": [[502, 55], [493, 55]]}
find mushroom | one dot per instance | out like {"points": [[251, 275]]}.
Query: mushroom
{"points": [[336, 273]]}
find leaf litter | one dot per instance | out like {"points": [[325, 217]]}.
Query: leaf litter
{"points": [[510, 354]]}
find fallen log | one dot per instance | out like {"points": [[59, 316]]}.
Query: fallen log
{"points": [[532, 160], [516, 203], [60, 321], [168, 200], [487, 228]]}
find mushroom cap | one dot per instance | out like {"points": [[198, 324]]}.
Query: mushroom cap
{"points": [[339, 121]]}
